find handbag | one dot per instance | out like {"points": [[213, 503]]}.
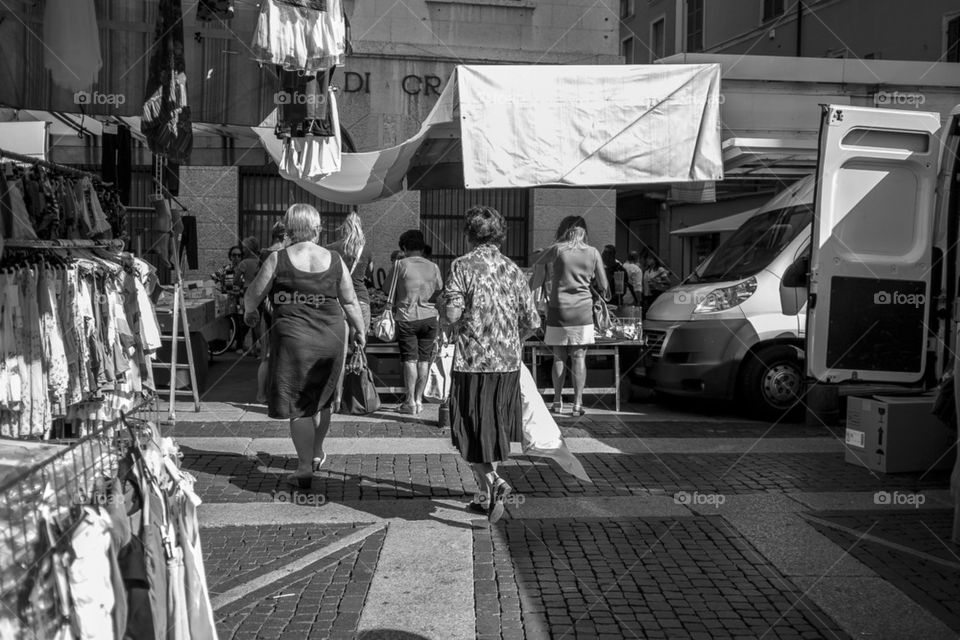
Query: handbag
{"points": [[359, 395], [601, 314], [438, 377], [385, 325]]}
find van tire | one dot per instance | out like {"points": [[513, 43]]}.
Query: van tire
{"points": [[771, 384]]}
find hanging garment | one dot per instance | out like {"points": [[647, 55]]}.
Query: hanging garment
{"points": [[71, 43], [142, 559], [209, 10], [166, 116], [11, 390], [44, 602], [199, 609], [116, 160], [54, 352], [310, 158], [91, 583], [304, 111], [309, 35], [18, 223], [35, 419]]}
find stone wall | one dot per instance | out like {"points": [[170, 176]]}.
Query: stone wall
{"points": [[212, 195]]}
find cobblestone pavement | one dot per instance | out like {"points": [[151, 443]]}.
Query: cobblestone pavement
{"points": [[381, 546], [649, 578], [909, 550], [257, 477]]}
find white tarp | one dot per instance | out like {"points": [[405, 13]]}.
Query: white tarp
{"points": [[542, 125], [527, 126]]}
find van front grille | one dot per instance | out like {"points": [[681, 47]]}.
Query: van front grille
{"points": [[654, 340]]}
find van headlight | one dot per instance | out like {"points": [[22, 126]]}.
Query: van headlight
{"points": [[727, 297]]}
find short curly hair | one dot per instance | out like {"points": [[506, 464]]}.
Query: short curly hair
{"points": [[485, 225]]}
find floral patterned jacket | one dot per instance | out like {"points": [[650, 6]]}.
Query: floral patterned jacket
{"points": [[498, 310]]}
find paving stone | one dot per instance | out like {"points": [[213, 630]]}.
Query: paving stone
{"points": [[589, 611]]}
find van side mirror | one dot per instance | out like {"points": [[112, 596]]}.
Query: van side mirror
{"points": [[796, 274]]}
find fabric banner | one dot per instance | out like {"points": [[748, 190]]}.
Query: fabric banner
{"points": [[525, 126], [543, 125]]}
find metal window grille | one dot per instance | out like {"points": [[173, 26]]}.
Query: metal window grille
{"points": [[265, 197], [441, 220], [694, 25]]}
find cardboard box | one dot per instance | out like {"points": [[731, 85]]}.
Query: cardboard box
{"points": [[896, 434]]}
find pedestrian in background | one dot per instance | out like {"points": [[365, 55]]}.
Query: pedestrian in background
{"points": [[571, 265], [616, 276], [488, 303], [246, 272], [311, 292], [277, 235], [634, 277], [656, 280], [418, 283], [351, 246]]}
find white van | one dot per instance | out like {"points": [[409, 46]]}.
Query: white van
{"points": [[736, 328]]}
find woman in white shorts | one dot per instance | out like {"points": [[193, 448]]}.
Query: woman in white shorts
{"points": [[570, 267]]}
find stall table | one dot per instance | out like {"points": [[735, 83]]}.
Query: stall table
{"points": [[603, 348], [384, 349]]}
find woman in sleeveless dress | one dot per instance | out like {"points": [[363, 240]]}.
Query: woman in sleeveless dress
{"points": [[311, 293]]}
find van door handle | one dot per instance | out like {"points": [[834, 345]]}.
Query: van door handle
{"points": [[812, 301]]}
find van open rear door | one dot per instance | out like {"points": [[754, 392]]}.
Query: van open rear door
{"points": [[872, 245]]}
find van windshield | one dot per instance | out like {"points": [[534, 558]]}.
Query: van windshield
{"points": [[754, 245]]}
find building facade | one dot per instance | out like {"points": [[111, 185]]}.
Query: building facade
{"points": [[780, 60], [865, 29], [402, 56]]}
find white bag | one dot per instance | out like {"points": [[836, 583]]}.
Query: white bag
{"points": [[438, 379], [541, 435]]}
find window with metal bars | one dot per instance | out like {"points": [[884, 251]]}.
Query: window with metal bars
{"points": [[952, 51], [773, 9], [694, 25], [442, 221], [265, 197]]}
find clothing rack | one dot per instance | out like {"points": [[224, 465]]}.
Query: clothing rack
{"points": [[65, 244], [72, 475], [46, 164]]}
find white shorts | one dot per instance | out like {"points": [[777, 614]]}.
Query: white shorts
{"points": [[569, 336]]}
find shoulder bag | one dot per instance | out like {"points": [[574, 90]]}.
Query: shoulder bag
{"points": [[385, 326], [359, 391]]}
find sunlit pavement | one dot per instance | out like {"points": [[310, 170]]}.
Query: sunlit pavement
{"points": [[696, 526]]}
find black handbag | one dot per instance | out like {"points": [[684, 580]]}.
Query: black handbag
{"points": [[360, 395]]}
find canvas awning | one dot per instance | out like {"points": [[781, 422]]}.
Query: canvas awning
{"points": [[525, 126], [721, 225]]}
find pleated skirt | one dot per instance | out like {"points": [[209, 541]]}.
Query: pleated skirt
{"points": [[486, 414]]}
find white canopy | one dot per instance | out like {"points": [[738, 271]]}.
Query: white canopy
{"points": [[542, 125]]}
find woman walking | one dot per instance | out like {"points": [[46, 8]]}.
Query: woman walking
{"points": [[492, 311], [352, 248], [418, 282], [311, 291], [571, 265]]}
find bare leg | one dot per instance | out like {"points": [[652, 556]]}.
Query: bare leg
{"points": [[410, 381], [321, 424], [578, 362], [423, 370], [559, 375], [303, 431]]}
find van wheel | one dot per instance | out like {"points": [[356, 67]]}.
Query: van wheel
{"points": [[772, 383]]}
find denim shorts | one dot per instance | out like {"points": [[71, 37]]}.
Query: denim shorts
{"points": [[415, 339]]}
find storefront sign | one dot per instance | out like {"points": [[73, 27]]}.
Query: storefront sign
{"points": [[412, 84]]}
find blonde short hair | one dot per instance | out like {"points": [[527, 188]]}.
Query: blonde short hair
{"points": [[302, 223]]}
